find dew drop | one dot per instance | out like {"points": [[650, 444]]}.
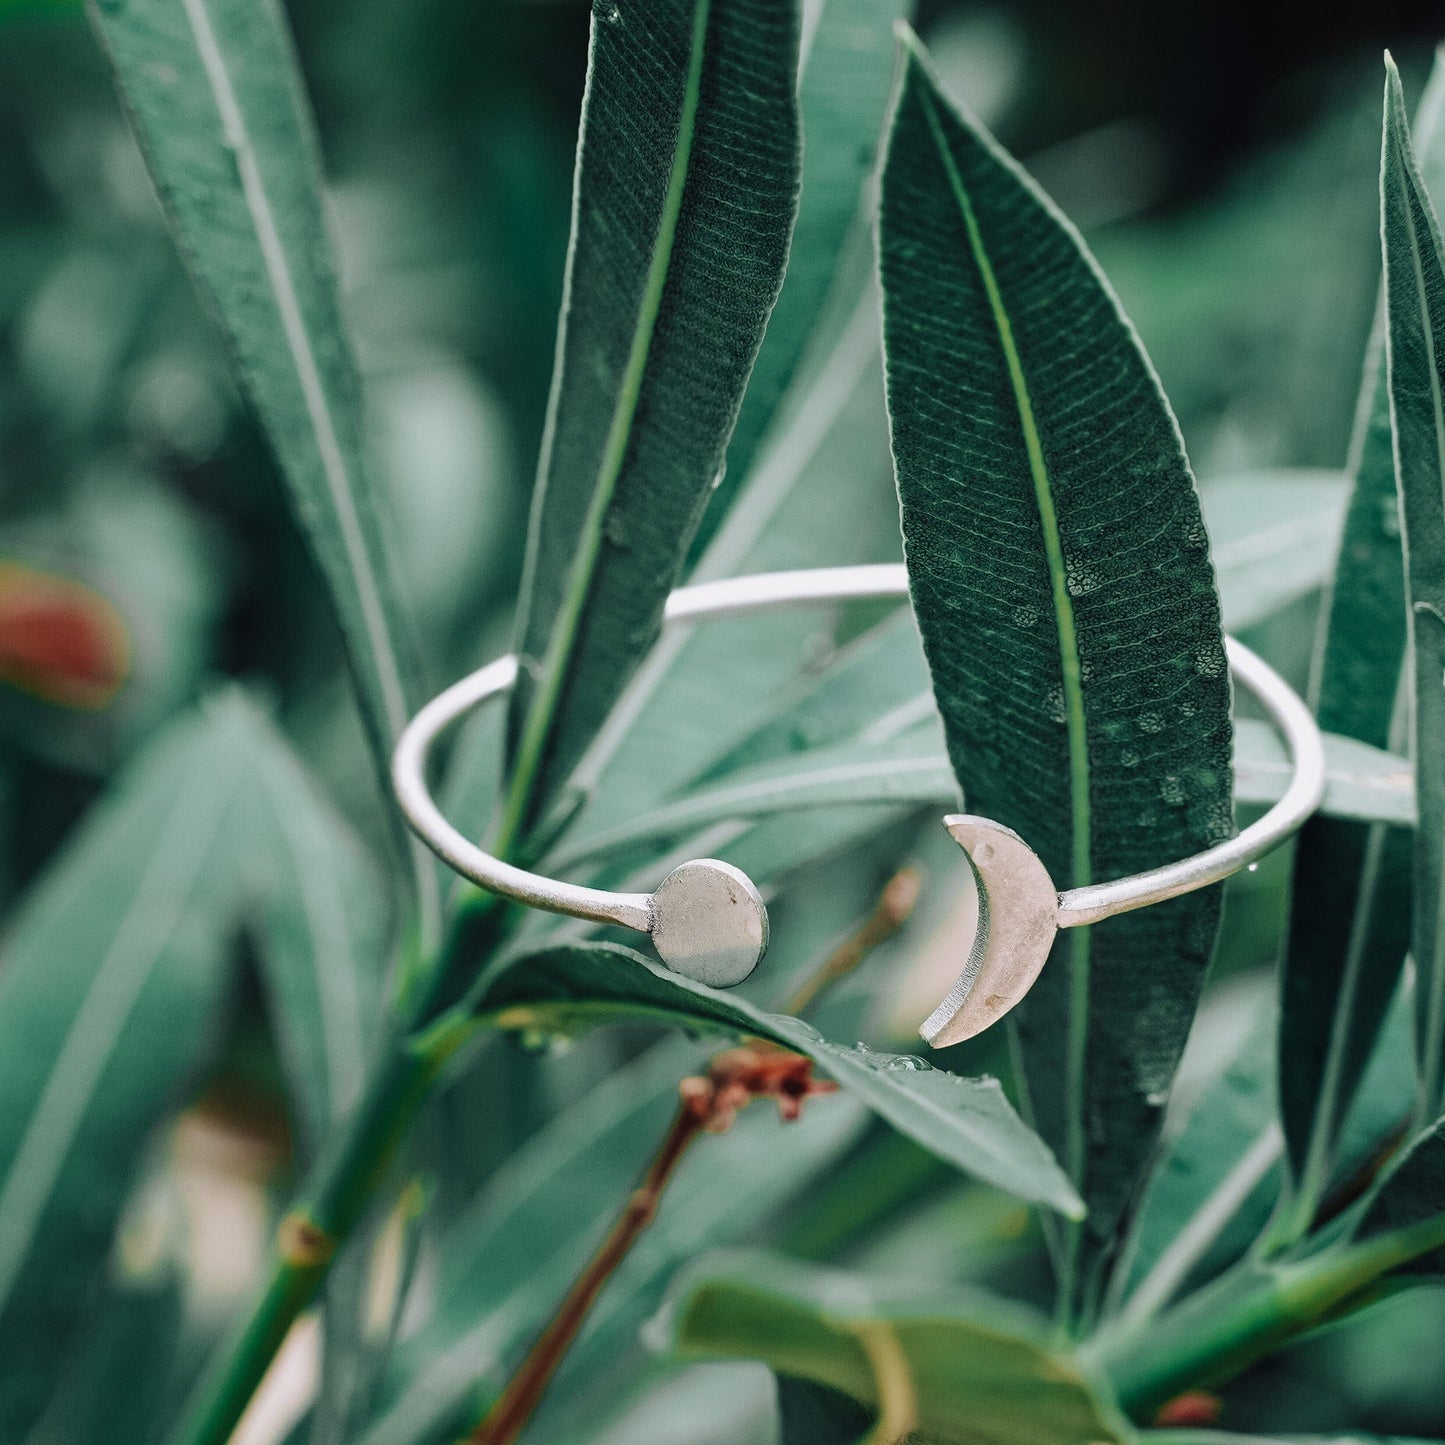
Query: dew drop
{"points": [[1172, 790], [1151, 722]]}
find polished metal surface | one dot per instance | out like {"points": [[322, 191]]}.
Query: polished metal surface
{"points": [[707, 920]]}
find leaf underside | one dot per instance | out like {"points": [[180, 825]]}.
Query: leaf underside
{"points": [[1060, 573]]}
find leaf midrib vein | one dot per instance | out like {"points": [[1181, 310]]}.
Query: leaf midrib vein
{"points": [[318, 409], [308, 374], [538, 724], [1069, 659]]}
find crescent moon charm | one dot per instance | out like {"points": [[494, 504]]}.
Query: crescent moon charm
{"points": [[1018, 916]]}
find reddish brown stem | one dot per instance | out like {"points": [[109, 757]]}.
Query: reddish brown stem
{"points": [[506, 1420], [734, 1079]]}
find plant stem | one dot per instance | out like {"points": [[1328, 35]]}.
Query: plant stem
{"points": [[1248, 1314], [507, 1418], [894, 908], [309, 1236]]}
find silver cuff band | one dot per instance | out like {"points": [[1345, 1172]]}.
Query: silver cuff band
{"points": [[708, 921]]}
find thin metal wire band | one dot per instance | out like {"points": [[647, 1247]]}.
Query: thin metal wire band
{"points": [[738, 596]]}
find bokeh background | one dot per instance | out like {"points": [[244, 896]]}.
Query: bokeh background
{"points": [[1221, 158]]}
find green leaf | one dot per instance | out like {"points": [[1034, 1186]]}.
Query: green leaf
{"points": [[908, 769], [1220, 1437], [846, 75], [1221, 1166], [975, 1371], [214, 92], [1411, 1194], [1060, 573], [821, 494], [504, 1264], [684, 200], [126, 1372], [322, 925], [812, 1414], [966, 1121], [112, 976], [1348, 928], [913, 768], [1362, 783], [1414, 345], [1274, 536]]}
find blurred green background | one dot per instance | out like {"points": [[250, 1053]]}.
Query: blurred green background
{"points": [[1222, 159]]}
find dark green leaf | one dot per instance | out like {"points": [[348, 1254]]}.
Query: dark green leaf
{"points": [[966, 1121], [821, 494], [1414, 347], [973, 1371], [214, 92], [1060, 572], [686, 184], [1412, 1193], [112, 975], [1349, 917], [1222, 1164], [846, 74], [811, 1414]]}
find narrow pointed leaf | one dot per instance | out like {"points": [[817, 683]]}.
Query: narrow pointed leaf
{"points": [[1411, 1196], [112, 975], [1415, 353], [966, 1121], [975, 1370], [1362, 783], [214, 92], [1349, 915], [1060, 572], [821, 495], [1216, 1182], [683, 205], [321, 921], [846, 73]]}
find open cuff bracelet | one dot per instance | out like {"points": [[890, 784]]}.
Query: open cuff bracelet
{"points": [[708, 921]]}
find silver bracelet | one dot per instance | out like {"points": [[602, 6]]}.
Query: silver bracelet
{"points": [[708, 921]]}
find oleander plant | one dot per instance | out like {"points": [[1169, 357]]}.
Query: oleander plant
{"points": [[303, 1138]]}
